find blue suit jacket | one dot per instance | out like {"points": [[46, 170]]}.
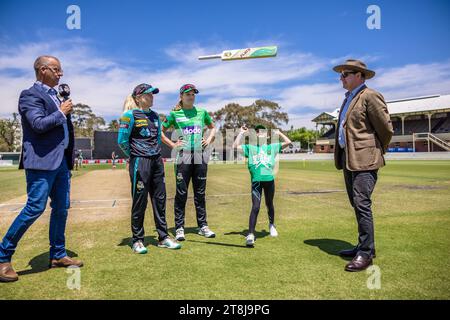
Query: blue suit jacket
{"points": [[43, 132]]}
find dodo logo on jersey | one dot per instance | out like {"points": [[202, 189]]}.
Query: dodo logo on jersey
{"points": [[192, 130]]}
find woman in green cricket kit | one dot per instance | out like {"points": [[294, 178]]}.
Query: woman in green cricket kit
{"points": [[140, 139], [261, 164], [190, 123]]}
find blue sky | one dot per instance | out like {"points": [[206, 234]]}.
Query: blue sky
{"points": [[121, 44]]}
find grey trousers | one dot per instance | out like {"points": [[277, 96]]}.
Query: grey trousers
{"points": [[360, 185]]}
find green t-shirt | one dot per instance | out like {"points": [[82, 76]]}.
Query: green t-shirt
{"points": [[189, 124], [261, 160]]}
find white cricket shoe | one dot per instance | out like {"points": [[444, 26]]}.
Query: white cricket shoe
{"points": [[179, 234], [138, 247], [273, 230], [206, 232], [250, 240], [169, 244]]}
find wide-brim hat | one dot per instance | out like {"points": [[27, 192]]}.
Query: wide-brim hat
{"points": [[356, 65]]}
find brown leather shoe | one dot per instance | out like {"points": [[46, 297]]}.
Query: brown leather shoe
{"points": [[65, 262], [7, 273], [359, 263]]}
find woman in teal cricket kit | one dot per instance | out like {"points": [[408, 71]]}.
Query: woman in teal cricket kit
{"points": [[140, 139], [261, 164]]}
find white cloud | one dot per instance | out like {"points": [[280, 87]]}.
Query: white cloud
{"points": [[318, 96], [103, 84], [290, 79], [413, 80]]}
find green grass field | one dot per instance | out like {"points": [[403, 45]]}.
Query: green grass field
{"points": [[314, 219]]}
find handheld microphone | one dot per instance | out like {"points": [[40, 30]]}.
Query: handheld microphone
{"points": [[64, 92]]}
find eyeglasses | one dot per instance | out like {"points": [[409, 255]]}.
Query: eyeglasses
{"points": [[344, 74], [54, 69]]}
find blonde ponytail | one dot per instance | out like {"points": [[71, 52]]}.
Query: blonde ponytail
{"points": [[178, 106], [129, 104]]}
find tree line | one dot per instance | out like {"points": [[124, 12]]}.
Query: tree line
{"points": [[231, 116]]}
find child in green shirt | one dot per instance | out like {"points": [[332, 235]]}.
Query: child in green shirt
{"points": [[261, 164]]}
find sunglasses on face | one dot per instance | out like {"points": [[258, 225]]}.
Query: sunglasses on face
{"points": [[345, 74]]}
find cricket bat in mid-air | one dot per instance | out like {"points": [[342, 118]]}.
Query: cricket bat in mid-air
{"points": [[247, 53]]}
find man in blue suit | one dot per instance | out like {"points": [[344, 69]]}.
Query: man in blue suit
{"points": [[47, 157]]}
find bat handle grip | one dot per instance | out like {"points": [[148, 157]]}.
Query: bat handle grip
{"points": [[214, 56]]}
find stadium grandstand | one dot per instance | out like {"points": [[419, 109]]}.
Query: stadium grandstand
{"points": [[421, 124]]}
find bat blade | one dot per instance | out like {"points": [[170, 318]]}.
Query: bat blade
{"points": [[250, 53], [247, 53]]}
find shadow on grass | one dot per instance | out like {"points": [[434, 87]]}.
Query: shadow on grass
{"points": [[40, 263], [330, 246], [148, 240], [219, 244], [258, 234], [186, 230], [192, 230]]}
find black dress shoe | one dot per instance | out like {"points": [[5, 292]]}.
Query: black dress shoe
{"points": [[359, 263]]}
